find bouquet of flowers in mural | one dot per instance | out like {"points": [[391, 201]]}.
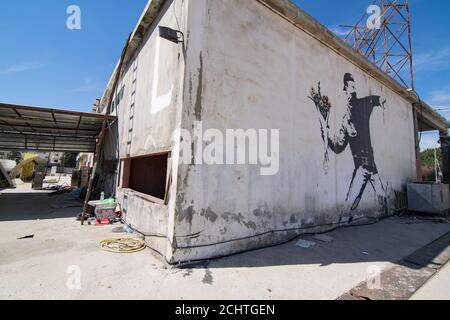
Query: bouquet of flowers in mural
{"points": [[323, 106]]}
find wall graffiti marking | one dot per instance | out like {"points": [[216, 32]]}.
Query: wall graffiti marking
{"points": [[353, 131]]}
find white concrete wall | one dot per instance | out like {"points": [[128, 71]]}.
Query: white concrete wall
{"points": [[153, 83], [154, 122], [248, 68]]}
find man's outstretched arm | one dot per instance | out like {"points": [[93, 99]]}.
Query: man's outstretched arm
{"points": [[375, 101]]}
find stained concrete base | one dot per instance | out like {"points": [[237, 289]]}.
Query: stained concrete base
{"points": [[38, 268]]}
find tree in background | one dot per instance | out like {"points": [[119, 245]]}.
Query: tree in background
{"points": [[428, 164], [69, 159]]}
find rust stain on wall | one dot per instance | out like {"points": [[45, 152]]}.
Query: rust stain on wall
{"points": [[198, 102]]}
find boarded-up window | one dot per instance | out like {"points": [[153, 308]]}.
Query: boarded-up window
{"points": [[147, 175]]}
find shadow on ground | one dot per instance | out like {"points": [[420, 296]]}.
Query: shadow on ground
{"points": [[387, 241], [34, 206]]}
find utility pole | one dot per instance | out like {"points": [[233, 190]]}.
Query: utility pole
{"points": [[436, 166], [389, 47]]}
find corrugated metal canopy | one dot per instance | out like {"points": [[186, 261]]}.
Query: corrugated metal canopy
{"points": [[41, 129]]}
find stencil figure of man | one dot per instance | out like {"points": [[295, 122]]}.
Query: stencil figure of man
{"points": [[355, 131]]}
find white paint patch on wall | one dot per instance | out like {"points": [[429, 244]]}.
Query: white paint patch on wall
{"points": [[159, 102]]}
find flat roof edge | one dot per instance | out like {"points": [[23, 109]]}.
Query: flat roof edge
{"points": [[148, 16], [292, 13], [299, 18]]}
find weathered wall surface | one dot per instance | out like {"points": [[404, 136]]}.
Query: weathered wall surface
{"points": [[149, 111], [249, 68], [151, 84]]}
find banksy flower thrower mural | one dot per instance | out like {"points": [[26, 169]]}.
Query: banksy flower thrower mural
{"points": [[353, 131]]}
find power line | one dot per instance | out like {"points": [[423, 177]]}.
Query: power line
{"points": [[443, 110]]}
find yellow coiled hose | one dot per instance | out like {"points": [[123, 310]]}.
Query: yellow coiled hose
{"points": [[122, 245]]}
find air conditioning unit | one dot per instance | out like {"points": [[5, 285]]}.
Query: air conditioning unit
{"points": [[429, 198]]}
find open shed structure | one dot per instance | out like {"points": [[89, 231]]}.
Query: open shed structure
{"points": [[26, 128], [49, 130]]}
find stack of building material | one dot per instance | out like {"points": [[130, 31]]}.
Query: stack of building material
{"points": [[5, 180]]}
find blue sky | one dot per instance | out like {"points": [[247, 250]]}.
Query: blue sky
{"points": [[430, 26], [43, 63]]}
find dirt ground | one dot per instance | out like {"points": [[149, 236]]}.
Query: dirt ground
{"points": [[43, 267]]}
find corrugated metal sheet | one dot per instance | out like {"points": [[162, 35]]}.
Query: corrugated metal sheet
{"points": [[41, 129]]}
